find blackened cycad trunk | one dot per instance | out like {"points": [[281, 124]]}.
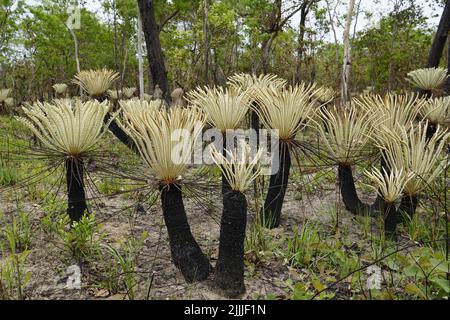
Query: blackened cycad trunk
{"points": [[271, 213], [75, 188], [391, 218], [185, 251], [408, 205], [350, 197], [229, 275], [348, 191]]}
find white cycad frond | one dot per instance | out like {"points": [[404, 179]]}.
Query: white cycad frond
{"points": [[4, 94], [393, 111], [390, 185], [96, 82], [60, 88], [129, 92], [410, 150], [437, 111], [224, 108], [69, 129], [286, 110], [155, 133], [345, 133], [238, 168], [427, 78]]}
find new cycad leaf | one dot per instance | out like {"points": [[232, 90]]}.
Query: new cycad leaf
{"points": [[68, 129], [152, 131], [437, 111], [419, 157], [345, 133], [427, 78], [96, 82], [390, 185], [238, 168], [224, 108], [286, 110]]}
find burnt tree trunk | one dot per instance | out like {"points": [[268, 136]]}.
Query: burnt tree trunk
{"points": [[348, 191], [440, 38], [117, 131], [408, 205], [271, 212], [229, 275], [185, 251], [76, 198], [447, 83], [390, 220], [154, 52]]}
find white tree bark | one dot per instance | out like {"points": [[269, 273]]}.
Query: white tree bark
{"points": [[345, 94]]}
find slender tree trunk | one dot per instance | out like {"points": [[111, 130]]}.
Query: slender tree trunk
{"points": [[345, 93], [154, 51], [75, 44], [185, 251], [301, 41], [440, 38], [447, 83], [206, 41], [75, 189], [140, 58]]}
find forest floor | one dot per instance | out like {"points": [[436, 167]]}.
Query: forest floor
{"points": [[315, 253]]}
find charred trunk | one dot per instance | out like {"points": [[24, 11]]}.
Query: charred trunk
{"points": [[271, 212], [75, 189], [390, 219], [185, 251], [155, 55], [229, 275], [348, 191], [408, 205]]}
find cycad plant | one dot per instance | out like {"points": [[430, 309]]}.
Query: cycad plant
{"points": [[240, 171], [253, 84], [69, 132], [346, 138], [96, 82], [225, 109], [288, 111], [60, 89], [427, 79], [391, 110], [437, 112], [4, 94], [390, 186], [152, 132], [419, 157]]}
